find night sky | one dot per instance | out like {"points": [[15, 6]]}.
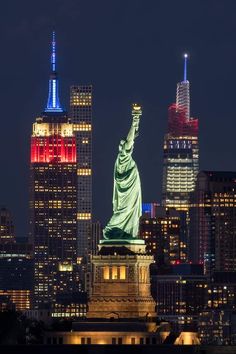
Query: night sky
{"points": [[130, 51]]}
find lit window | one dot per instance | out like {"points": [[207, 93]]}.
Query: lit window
{"points": [[114, 273], [122, 272], [106, 272]]}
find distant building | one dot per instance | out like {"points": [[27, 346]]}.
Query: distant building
{"points": [[53, 198], [180, 150], [161, 233], [222, 290], [217, 321], [16, 281], [81, 115], [16, 276], [7, 232], [180, 296], [149, 209], [213, 221], [94, 236], [14, 250], [181, 156], [72, 305], [217, 326]]}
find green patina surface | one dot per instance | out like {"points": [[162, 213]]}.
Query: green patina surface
{"points": [[127, 200]]}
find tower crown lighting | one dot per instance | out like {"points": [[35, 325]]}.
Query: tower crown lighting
{"points": [[185, 66], [53, 103]]}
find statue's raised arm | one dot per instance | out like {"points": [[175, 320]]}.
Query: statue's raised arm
{"points": [[133, 133], [124, 223]]}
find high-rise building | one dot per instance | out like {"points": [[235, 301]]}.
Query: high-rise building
{"points": [[7, 233], [53, 198], [81, 115], [180, 150], [181, 156], [213, 221]]}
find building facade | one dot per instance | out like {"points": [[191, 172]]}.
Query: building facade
{"points": [[53, 198], [81, 115], [217, 321], [16, 280], [7, 232], [213, 221], [180, 297], [162, 236]]}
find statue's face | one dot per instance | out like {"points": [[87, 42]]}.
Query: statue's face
{"points": [[122, 142]]}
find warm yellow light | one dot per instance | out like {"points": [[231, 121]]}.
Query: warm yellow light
{"points": [[84, 172], [83, 216], [46, 129], [106, 273], [114, 272], [83, 126], [65, 267], [122, 272]]}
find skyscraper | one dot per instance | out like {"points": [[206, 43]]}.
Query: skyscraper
{"points": [[180, 150], [213, 221], [53, 197], [81, 115], [181, 164]]}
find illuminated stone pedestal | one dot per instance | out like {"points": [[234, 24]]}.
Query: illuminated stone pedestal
{"points": [[121, 282]]}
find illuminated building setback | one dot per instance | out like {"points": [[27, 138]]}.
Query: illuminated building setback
{"points": [[81, 115], [53, 198]]}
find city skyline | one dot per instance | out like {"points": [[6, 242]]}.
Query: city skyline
{"points": [[79, 64]]}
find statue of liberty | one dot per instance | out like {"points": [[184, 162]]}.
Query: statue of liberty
{"points": [[127, 199]]}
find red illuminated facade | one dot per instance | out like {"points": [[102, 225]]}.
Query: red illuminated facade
{"points": [[53, 149], [179, 125]]}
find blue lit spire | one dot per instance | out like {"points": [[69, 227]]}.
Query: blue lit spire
{"points": [[185, 66], [53, 103], [183, 91]]}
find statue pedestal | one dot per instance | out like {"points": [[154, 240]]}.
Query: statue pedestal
{"points": [[121, 282]]}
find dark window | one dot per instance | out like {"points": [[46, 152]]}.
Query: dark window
{"points": [[60, 340], [132, 340], [119, 340], [54, 340], [154, 340], [147, 340], [82, 340], [88, 340], [141, 340], [113, 341], [49, 340]]}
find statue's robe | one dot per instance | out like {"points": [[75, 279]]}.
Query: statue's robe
{"points": [[127, 201]]}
